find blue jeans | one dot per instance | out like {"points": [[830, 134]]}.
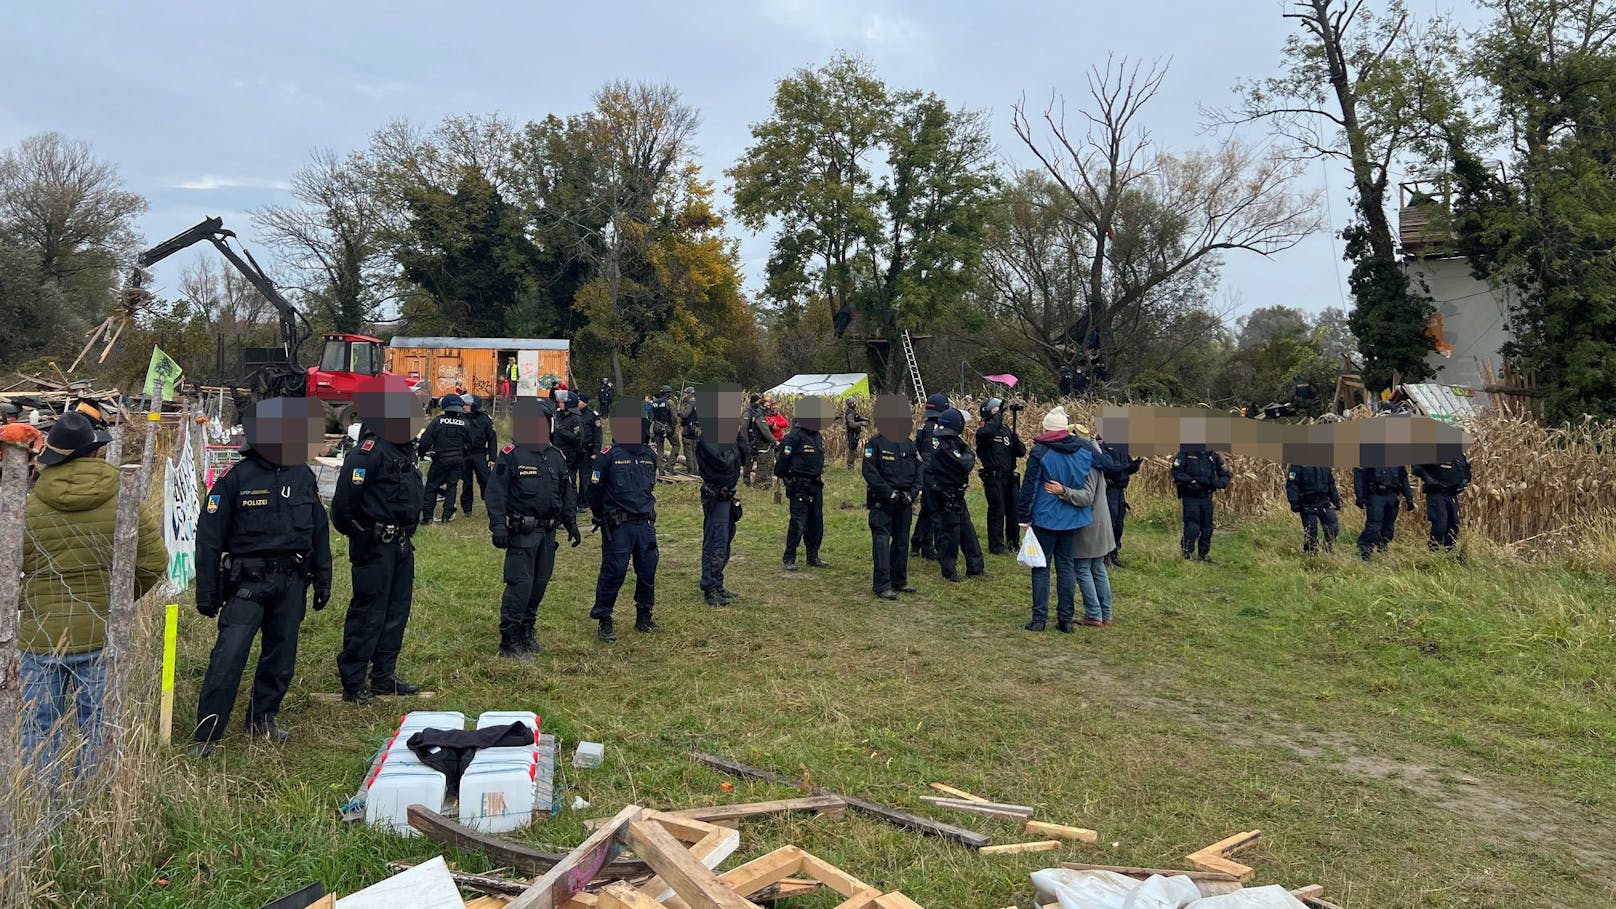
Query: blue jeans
{"points": [[46, 680], [1096, 584], [1057, 545]]}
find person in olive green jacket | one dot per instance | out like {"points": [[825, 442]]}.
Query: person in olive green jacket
{"points": [[67, 574]]}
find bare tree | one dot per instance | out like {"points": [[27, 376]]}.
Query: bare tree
{"points": [[224, 297], [332, 241], [1154, 224], [66, 206]]}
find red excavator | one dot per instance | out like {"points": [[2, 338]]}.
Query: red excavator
{"points": [[346, 361]]}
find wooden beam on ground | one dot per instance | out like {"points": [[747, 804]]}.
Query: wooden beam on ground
{"points": [[1216, 856], [709, 843], [957, 793], [922, 825], [573, 873], [896, 900], [619, 895], [862, 900], [1081, 834], [831, 876], [985, 809], [827, 805], [524, 859], [694, 882], [486, 902], [1018, 848], [763, 871], [1128, 871]]}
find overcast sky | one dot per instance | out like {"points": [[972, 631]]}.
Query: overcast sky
{"points": [[208, 108]]}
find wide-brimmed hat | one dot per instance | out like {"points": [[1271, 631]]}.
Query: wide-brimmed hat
{"points": [[73, 436]]}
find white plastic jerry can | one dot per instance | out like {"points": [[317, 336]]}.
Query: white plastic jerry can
{"points": [[395, 789], [497, 797]]}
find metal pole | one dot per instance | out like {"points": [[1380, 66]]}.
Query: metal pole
{"points": [[121, 610], [13, 496]]}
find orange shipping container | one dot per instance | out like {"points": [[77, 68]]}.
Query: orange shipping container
{"points": [[478, 364]]}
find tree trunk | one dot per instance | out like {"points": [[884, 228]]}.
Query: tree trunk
{"points": [[121, 611], [1371, 189], [13, 495]]}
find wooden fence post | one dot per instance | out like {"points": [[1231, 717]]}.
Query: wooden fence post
{"points": [[115, 447], [148, 454], [13, 496], [121, 610]]}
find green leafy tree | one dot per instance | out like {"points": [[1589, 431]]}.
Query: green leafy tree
{"points": [[880, 198], [1549, 231]]}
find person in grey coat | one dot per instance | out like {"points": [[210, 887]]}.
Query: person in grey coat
{"points": [[1093, 544]]}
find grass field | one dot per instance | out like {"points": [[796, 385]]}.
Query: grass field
{"points": [[1419, 731]]}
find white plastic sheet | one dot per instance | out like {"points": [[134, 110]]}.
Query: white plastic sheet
{"points": [[1073, 889]]}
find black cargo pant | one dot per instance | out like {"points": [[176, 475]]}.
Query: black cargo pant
{"points": [[373, 632], [807, 526], [853, 438], [1001, 489], [717, 533], [889, 545], [955, 531], [476, 468], [633, 540], [923, 542], [271, 602], [1197, 537], [1442, 508], [1380, 523], [529, 563], [1315, 517], [1116, 500], [446, 470]]}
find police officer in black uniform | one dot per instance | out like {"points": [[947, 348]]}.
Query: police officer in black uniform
{"points": [[377, 505], [662, 428], [1312, 494], [1118, 470], [479, 454], [948, 476], [1376, 490], [622, 497], [593, 440], [446, 441], [759, 443], [924, 541], [998, 448], [262, 539], [689, 426], [530, 499], [718, 461], [568, 435], [605, 395], [801, 466], [1197, 473], [854, 423], [1442, 483], [892, 483]]}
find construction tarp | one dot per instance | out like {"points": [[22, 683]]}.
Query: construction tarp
{"points": [[825, 385], [1443, 402]]}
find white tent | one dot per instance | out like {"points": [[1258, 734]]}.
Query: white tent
{"points": [[826, 385]]}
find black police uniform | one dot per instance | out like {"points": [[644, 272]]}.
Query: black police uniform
{"points": [[998, 447], [446, 442], [854, 423], [1442, 484], [377, 504], [924, 540], [662, 429], [568, 436], [261, 539], [604, 395], [1376, 490], [622, 497], [759, 446], [892, 483], [484, 442], [1119, 470], [1196, 475], [948, 476], [801, 465], [1312, 494], [719, 464], [530, 498]]}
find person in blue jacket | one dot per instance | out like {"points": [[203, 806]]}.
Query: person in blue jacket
{"points": [[1059, 460]]}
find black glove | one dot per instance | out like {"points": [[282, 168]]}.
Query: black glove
{"points": [[208, 607], [1358, 503], [573, 536], [502, 537], [321, 597], [1408, 504], [1296, 509]]}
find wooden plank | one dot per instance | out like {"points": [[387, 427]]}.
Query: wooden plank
{"points": [[985, 809], [709, 843], [1230, 845], [1018, 848], [486, 902], [619, 895], [572, 874], [896, 900], [1082, 834], [524, 859], [831, 876], [694, 882], [329, 901], [1308, 892], [792, 886], [828, 805], [763, 871], [1130, 871], [426, 886], [957, 793], [863, 900], [1216, 856], [921, 825]]}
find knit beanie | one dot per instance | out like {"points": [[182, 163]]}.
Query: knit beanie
{"points": [[1056, 420]]}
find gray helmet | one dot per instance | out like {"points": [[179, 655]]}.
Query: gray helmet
{"points": [[992, 404], [667, 389], [474, 402], [452, 404], [690, 389]]}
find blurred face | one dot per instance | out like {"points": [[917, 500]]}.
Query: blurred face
{"points": [[286, 431], [813, 413], [894, 418], [722, 404], [387, 406], [530, 424], [625, 422]]}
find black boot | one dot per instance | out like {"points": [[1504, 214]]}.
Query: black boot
{"points": [[530, 643], [202, 749], [713, 597], [606, 633], [814, 561], [727, 595], [1034, 625], [266, 728], [513, 650], [886, 594], [789, 564], [394, 686], [364, 697], [644, 623]]}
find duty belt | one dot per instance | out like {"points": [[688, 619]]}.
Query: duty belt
{"points": [[390, 533]]}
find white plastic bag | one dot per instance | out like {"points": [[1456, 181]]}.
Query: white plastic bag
{"points": [[1032, 554]]}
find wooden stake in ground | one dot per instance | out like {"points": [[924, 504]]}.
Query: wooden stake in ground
{"points": [[13, 495], [119, 654]]}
